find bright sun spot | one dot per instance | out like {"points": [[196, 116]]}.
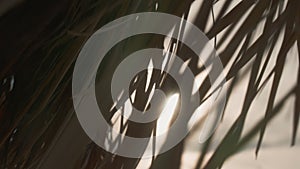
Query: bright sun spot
{"points": [[164, 120]]}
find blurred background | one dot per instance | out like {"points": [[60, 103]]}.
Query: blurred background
{"points": [[258, 42]]}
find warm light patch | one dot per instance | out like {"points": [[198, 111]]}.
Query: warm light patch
{"points": [[167, 114]]}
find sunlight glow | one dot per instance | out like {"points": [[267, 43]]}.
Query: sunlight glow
{"points": [[164, 120]]}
